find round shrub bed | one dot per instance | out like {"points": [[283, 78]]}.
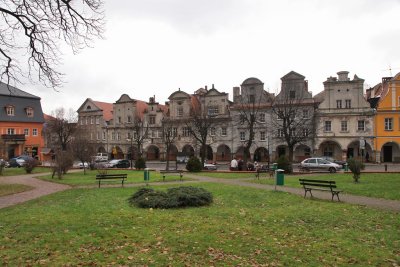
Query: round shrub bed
{"points": [[178, 197]]}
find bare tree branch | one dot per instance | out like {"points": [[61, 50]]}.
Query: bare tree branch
{"points": [[33, 30]]}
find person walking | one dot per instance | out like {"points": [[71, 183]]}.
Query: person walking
{"points": [[234, 164]]}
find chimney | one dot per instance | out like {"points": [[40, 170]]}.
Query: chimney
{"points": [[343, 76], [236, 92], [306, 85], [205, 87]]}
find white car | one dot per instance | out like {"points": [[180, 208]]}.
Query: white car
{"points": [[319, 164], [210, 167]]}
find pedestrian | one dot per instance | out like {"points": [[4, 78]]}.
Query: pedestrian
{"points": [[234, 164]]}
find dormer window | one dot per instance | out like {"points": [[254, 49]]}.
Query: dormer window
{"points": [[88, 107], [10, 110], [29, 112]]}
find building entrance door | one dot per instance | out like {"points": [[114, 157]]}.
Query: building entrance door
{"points": [[387, 153]]}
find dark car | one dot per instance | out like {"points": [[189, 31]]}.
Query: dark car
{"points": [[340, 162], [118, 163], [19, 161]]}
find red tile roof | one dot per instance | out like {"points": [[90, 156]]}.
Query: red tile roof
{"points": [[107, 109]]}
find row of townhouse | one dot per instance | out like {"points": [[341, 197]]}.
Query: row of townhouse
{"points": [[340, 122]]}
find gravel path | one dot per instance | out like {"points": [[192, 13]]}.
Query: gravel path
{"points": [[42, 188]]}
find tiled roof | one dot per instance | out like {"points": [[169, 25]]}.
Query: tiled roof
{"points": [[107, 109], [12, 91]]}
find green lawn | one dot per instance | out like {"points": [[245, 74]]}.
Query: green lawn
{"points": [[244, 226], [380, 185], [78, 178], [21, 171], [226, 175], [8, 189]]}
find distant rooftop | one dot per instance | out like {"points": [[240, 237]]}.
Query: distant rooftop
{"points": [[12, 91]]}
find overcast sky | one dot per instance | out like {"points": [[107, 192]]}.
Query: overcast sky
{"points": [[154, 47]]}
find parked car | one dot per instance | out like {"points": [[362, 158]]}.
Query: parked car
{"points": [[118, 163], [182, 158], [19, 161], [80, 165], [210, 167], [340, 162], [319, 164]]}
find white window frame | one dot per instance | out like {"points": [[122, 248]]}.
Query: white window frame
{"points": [[326, 128], [262, 117], [242, 136], [97, 120], [10, 131], [224, 131], [179, 112], [35, 132], [388, 124], [29, 112], [363, 125], [10, 110], [26, 132], [263, 136], [342, 124], [348, 103], [213, 131]]}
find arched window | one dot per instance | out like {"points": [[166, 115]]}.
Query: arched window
{"points": [[10, 110]]}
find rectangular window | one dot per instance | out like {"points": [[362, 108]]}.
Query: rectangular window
{"points": [[29, 112], [118, 136], [328, 126], [262, 136], [81, 121], [293, 132], [213, 110], [224, 131], [10, 110], [306, 132], [113, 136], [388, 124], [91, 120], [262, 117], [212, 131], [252, 99], [98, 135], [119, 119], [280, 133], [186, 131], [104, 135], [153, 134], [343, 126], [361, 125], [292, 94], [242, 136], [87, 120], [305, 113], [348, 103], [10, 131], [180, 111], [174, 132], [242, 118], [339, 103], [26, 132], [35, 132], [129, 119], [97, 120], [152, 119]]}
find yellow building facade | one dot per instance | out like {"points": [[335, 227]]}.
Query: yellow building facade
{"points": [[386, 99]]}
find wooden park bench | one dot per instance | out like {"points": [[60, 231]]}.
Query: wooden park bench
{"points": [[321, 185], [178, 172], [104, 177]]}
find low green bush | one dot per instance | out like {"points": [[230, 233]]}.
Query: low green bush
{"points": [[194, 165], [30, 164], [174, 198]]}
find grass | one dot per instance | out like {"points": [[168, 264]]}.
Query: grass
{"points": [[226, 175], [78, 178], [21, 171], [382, 185], [243, 226], [8, 189]]}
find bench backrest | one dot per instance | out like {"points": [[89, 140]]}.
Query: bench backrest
{"points": [[319, 183], [104, 176]]}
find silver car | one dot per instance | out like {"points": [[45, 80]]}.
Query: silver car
{"points": [[319, 164]]}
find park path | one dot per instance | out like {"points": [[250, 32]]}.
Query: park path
{"points": [[42, 188]]}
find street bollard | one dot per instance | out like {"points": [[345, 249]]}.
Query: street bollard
{"points": [[385, 167]]}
